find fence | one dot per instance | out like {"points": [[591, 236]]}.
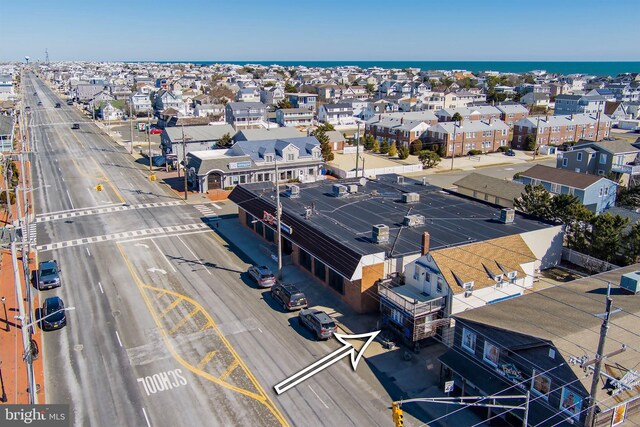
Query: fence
{"points": [[400, 169], [586, 261]]}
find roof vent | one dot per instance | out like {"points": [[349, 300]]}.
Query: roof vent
{"points": [[400, 180], [339, 190], [413, 220], [425, 181], [353, 188], [292, 191], [410, 197], [631, 282], [507, 216], [380, 233]]}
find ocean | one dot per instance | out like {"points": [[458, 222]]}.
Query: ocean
{"points": [[593, 68]]}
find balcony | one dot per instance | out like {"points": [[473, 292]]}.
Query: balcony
{"points": [[408, 299], [630, 168]]}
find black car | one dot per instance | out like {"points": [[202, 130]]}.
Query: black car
{"points": [[510, 153], [75, 126], [39, 103], [289, 296], [58, 105], [53, 316]]}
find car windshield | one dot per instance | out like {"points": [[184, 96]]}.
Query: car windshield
{"points": [[53, 306], [297, 296], [328, 325], [48, 271], [266, 276]]}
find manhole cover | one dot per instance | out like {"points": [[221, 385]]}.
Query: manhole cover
{"points": [[78, 347], [116, 313]]}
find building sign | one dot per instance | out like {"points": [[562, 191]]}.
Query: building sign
{"points": [[619, 414], [240, 165], [271, 219], [510, 371]]}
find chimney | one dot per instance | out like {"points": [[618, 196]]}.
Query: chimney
{"points": [[426, 238]]}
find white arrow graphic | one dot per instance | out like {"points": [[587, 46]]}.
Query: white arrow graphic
{"points": [[159, 270], [346, 350], [142, 245]]}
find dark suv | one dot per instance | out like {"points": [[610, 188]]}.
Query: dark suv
{"points": [[53, 316], [318, 322], [48, 275], [75, 126], [289, 296]]}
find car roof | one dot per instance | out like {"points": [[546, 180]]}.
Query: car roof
{"points": [[321, 315], [53, 301]]}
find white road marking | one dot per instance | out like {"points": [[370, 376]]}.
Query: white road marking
{"points": [[101, 290], [164, 235], [194, 256], [260, 330], [321, 401], [118, 336], [146, 418], [217, 206], [69, 196], [163, 255], [88, 253]]}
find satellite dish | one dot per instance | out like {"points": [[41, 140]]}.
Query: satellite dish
{"points": [[363, 181]]}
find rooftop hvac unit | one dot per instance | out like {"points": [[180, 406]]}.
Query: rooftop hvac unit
{"points": [[507, 216], [380, 233], [353, 188], [292, 190], [410, 197], [413, 220], [339, 190], [400, 180], [631, 282]]}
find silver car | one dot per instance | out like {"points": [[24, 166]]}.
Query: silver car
{"points": [[48, 275], [262, 275], [318, 322]]}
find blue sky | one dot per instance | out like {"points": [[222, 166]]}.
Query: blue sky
{"points": [[298, 30]]}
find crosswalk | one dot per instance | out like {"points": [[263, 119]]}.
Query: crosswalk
{"points": [[33, 233], [101, 210], [206, 210], [136, 234]]}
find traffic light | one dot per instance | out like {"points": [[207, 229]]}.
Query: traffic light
{"points": [[99, 187], [152, 178], [396, 414]]}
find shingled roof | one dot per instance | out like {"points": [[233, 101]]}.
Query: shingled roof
{"points": [[561, 176]]}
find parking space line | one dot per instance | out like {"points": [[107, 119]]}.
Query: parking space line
{"points": [[163, 255], [146, 418], [321, 401], [206, 359], [183, 321], [101, 290], [170, 307], [118, 336]]}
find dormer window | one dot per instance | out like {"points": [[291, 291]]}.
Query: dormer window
{"points": [[512, 274], [468, 286]]}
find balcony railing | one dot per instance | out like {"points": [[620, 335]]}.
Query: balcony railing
{"points": [[628, 169], [413, 306]]}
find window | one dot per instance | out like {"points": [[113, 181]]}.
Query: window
{"points": [[311, 172], [439, 285], [541, 384], [336, 282], [571, 402], [606, 191], [319, 269], [600, 172], [603, 159], [305, 259], [396, 316], [468, 340], [555, 188], [290, 157], [572, 191], [565, 162], [417, 273], [579, 157], [600, 192], [491, 354]]}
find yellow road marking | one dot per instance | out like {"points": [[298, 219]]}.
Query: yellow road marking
{"points": [[262, 397], [230, 369], [218, 238], [170, 307], [206, 326], [183, 321], [206, 359]]}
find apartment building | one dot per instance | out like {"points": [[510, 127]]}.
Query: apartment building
{"points": [[560, 129], [401, 128], [460, 138]]}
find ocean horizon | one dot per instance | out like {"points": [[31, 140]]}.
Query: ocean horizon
{"points": [[599, 68]]}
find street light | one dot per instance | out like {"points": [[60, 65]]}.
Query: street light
{"points": [[4, 305], [28, 325]]}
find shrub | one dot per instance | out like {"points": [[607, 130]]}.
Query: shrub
{"points": [[12, 197], [416, 147], [429, 158], [503, 148], [474, 152], [384, 147], [403, 153], [393, 150]]}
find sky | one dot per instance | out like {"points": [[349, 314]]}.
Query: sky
{"points": [[306, 30]]}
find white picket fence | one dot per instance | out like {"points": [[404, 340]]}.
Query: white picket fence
{"points": [[586, 261]]}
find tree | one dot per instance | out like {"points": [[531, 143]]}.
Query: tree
{"points": [[325, 147], [530, 142], [428, 158], [289, 88], [606, 238], [403, 153], [632, 244], [368, 142], [225, 140], [629, 197], [393, 150], [384, 147], [457, 117], [371, 89], [415, 147], [578, 227], [529, 79], [559, 210], [326, 127], [284, 103], [375, 147], [534, 201]]}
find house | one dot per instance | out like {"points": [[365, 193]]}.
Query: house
{"points": [[86, 92], [6, 87], [165, 99], [294, 117], [536, 100], [556, 130], [458, 139], [215, 112], [544, 343], [303, 100], [579, 104], [560, 88], [447, 281], [596, 193], [401, 128], [99, 99], [140, 102], [485, 113], [109, 112], [271, 95], [196, 138], [248, 94], [337, 140], [6, 133], [493, 190], [246, 114], [247, 162], [363, 244], [336, 114], [510, 113], [619, 158], [616, 110]]}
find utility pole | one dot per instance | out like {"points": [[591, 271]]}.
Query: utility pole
{"points": [[149, 136], [590, 419], [278, 214], [535, 145], [131, 126], [357, 148], [453, 155], [184, 161]]}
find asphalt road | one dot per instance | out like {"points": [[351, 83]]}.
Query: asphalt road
{"points": [[166, 330]]}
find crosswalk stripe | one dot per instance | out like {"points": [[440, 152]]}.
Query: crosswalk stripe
{"points": [[93, 211]]}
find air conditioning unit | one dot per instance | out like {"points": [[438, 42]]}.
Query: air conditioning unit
{"points": [[507, 216], [353, 188], [631, 282], [380, 233], [498, 278], [339, 190], [467, 294], [292, 190], [413, 220], [307, 213], [410, 197]]}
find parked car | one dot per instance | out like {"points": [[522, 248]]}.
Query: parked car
{"points": [[39, 103], [53, 316], [75, 126], [58, 105], [262, 275], [289, 296], [48, 275], [155, 131], [318, 322], [510, 153]]}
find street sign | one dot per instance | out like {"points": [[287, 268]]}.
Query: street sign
{"points": [[448, 386]]}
